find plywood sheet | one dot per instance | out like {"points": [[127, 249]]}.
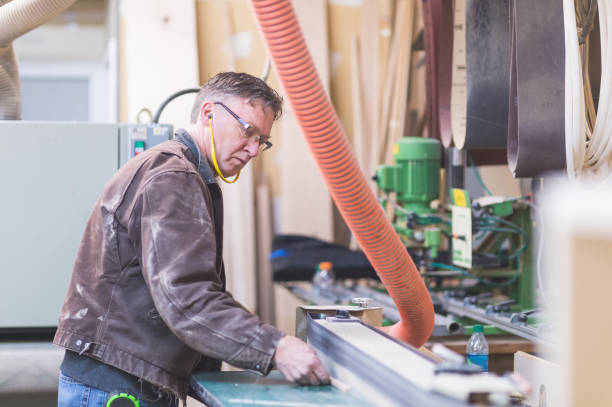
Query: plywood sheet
{"points": [[159, 56], [305, 206]]}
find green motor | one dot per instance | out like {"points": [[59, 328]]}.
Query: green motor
{"points": [[417, 180], [415, 177]]}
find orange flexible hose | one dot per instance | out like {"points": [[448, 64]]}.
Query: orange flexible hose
{"points": [[346, 183]]}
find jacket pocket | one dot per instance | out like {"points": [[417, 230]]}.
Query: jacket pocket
{"points": [[154, 318]]}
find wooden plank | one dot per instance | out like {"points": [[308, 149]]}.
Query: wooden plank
{"points": [[388, 89], [216, 32], [397, 118], [360, 146], [154, 34], [542, 375], [265, 289], [214, 47], [285, 304], [305, 205], [575, 283], [366, 66], [385, 29]]}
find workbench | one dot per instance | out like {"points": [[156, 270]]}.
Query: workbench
{"points": [[245, 388]]}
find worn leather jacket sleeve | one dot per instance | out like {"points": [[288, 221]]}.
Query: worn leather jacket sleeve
{"points": [[177, 250]]}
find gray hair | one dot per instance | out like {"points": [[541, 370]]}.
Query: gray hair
{"points": [[241, 85]]}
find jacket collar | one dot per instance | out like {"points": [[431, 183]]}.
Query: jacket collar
{"points": [[182, 136]]}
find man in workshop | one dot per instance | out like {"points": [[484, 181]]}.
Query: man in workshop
{"points": [[147, 305]]}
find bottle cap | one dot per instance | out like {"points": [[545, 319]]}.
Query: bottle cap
{"points": [[477, 328], [325, 265]]}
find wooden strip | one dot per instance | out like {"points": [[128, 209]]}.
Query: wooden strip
{"points": [[386, 101], [239, 252], [359, 124], [265, 289], [305, 206], [397, 119], [366, 66], [542, 375], [385, 26]]}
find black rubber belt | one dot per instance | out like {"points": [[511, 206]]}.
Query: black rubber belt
{"points": [[536, 131], [487, 68], [400, 390], [470, 122]]}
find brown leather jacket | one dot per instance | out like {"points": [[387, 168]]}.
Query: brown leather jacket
{"points": [[147, 293]]}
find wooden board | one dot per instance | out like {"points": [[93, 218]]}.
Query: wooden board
{"points": [[159, 57], [575, 282], [397, 118], [542, 376], [286, 304], [265, 288], [305, 204], [216, 31]]}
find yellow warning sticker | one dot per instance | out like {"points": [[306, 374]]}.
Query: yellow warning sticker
{"points": [[459, 197]]}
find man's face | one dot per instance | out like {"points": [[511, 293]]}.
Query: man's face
{"points": [[233, 149]]}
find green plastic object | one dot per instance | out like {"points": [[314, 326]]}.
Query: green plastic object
{"points": [[123, 400], [478, 328], [417, 176], [502, 209]]}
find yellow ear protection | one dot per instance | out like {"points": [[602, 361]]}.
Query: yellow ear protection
{"points": [[214, 154]]}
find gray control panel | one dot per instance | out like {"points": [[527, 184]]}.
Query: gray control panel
{"points": [[134, 138]]}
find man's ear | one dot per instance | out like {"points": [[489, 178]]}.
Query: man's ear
{"points": [[206, 111]]}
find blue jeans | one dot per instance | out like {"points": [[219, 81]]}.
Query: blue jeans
{"points": [[72, 393]]}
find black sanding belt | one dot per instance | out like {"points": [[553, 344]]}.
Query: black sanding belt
{"points": [[487, 55], [536, 132]]}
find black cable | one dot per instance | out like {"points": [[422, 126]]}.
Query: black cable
{"points": [[169, 99]]}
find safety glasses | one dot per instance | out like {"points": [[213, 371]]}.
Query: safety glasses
{"points": [[248, 130]]}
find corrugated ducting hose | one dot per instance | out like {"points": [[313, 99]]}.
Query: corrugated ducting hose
{"points": [[346, 183], [17, 17]]}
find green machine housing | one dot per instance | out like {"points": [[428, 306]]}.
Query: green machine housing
{"points": [[415, 178]]}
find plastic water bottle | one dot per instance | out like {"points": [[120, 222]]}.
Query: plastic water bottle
{"points": [[323, 280], [478, 349]]}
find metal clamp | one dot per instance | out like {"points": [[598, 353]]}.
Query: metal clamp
{"points": [[362, 302]]}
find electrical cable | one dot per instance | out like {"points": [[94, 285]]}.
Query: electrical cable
{"points": [[480, 279], [161, 107]]}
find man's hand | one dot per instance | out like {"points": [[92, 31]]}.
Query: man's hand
{"points": [[299, 363]]}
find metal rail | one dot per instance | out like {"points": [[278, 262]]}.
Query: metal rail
{"points": [[510, 324]]}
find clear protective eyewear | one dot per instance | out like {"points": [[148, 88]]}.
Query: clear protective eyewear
{"points": [[248, 130]]}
